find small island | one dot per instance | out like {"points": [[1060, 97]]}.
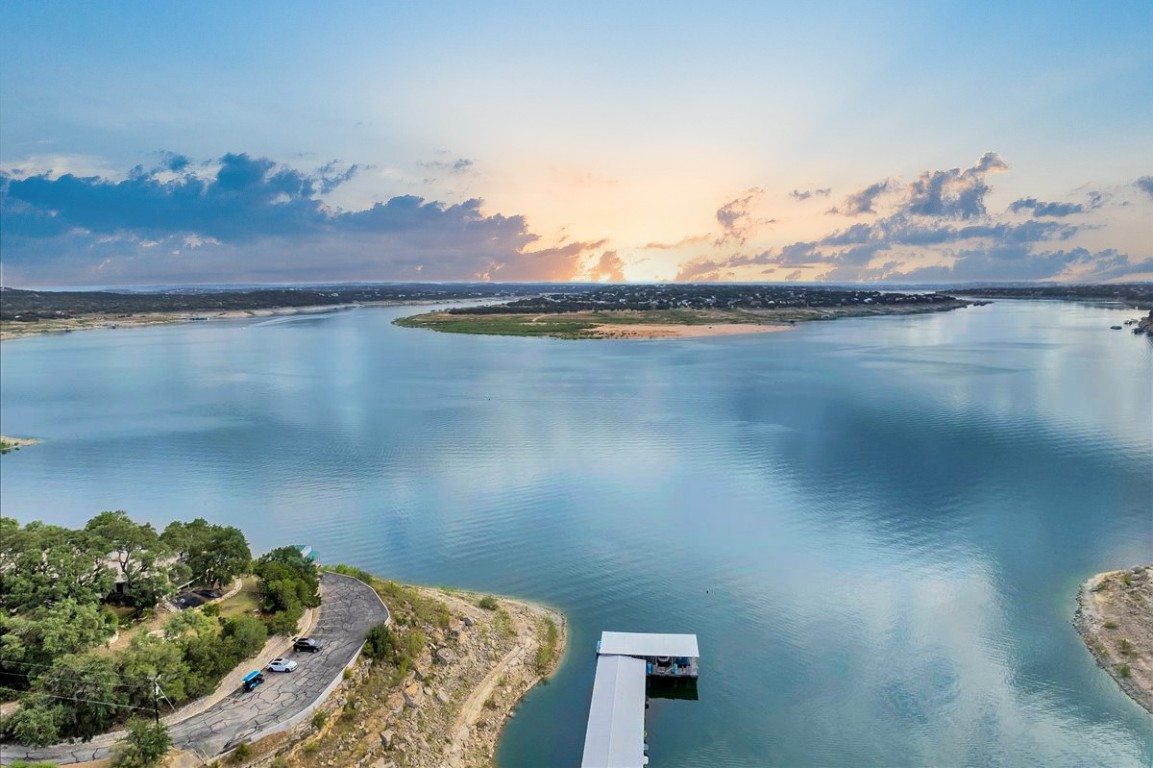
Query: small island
{"points": [[675, 310], [1115, 619]]}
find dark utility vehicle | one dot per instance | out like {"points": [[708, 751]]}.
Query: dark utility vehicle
{"points": [[307, 644]]}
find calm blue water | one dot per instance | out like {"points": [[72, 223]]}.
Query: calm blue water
{"points": [[876, 527]]}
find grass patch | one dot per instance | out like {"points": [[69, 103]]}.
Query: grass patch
{"points": [[547, 650], [246, 602], [503, 624], [488, 602], [501, 325], [1110, 625], [1124, 671]]}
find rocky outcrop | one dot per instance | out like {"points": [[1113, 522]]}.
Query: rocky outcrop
{"points": [[1115, 619]]}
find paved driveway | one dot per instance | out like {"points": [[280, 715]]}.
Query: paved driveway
{"points": [[348, 609]]}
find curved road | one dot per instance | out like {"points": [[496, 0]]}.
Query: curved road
{"points": [[348, 609]]}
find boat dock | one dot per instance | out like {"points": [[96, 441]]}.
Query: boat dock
{"points": [[615, 737]]}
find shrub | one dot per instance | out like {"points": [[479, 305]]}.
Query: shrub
{"points": [[1123, 670], [241, 753], [354, 572], [1110, 625], [145, 745], [488, 602], [1125, 646], [212, 609], [319, 718], [379, 644], [547, 649]]}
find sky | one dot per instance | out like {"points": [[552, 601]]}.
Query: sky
{"points": [[290, 142]]}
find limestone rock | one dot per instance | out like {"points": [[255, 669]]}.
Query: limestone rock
{"points": [[445, 656], [386, 739], [413, 695]]}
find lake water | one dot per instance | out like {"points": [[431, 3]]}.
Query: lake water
{"points": [[876, 527]]}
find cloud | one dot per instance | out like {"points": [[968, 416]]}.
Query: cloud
{"points": [[171, 161], [937, 228], [1038, 208], [955, 193], [1015, 261], [736, 219], [712, 270], [683, 242], [609, 268], [862, 201], [459, 165], [1145, 184], [253, 219], [331, 175], [797, 194]]}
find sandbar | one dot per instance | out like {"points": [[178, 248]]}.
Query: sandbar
{"points": [[670, 331]]}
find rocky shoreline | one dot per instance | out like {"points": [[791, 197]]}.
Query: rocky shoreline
{"points": [[1115, 619], [476, 661]]}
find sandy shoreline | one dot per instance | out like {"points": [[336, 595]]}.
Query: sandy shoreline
{"points": [[94, 322], [1115, 619], [670, 331]]}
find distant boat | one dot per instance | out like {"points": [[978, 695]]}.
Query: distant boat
{"points": [[1114, 327]]}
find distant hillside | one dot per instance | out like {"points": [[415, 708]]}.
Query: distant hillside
{"points": [[1137, 294]]}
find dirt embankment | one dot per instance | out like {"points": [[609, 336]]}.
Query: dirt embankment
{"points": [[1115, 618], [469, 673]]}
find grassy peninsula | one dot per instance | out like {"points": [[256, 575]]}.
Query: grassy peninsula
{"points": [[656, 311]]}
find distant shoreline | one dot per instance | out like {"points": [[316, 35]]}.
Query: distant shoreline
{"points": [[106, 321]]}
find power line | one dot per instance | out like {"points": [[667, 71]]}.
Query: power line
{"points": [[77, 698], [77, 674]]}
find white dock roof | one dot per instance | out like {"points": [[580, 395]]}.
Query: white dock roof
{"points": [[616, 732], [648, 644]]}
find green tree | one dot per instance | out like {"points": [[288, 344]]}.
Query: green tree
{"points": [[379, 643], [36, 723], [89, 685], [146, 660], [304, 569], [140, 553], [245, 634], [189, 621], [145, 745], [215, 554], [43, 564], [29, 644]]}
